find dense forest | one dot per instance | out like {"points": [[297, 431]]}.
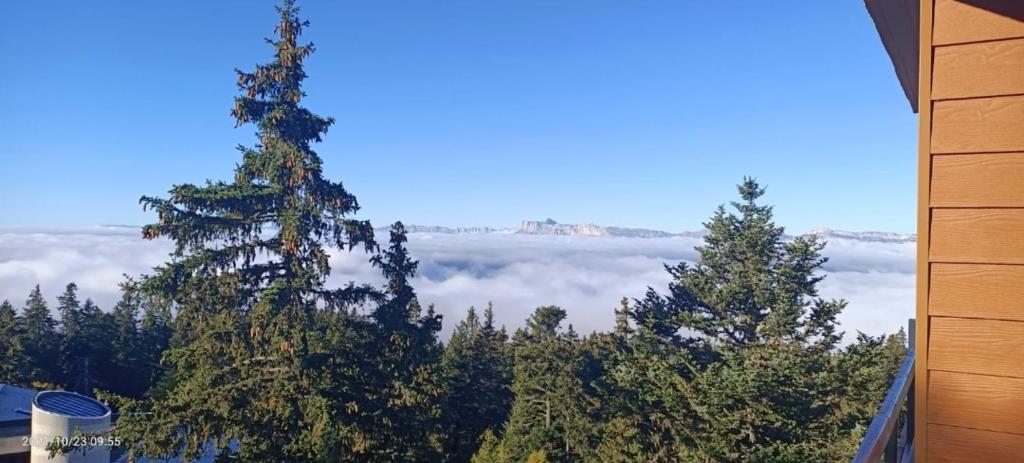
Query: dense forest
{"points": [[237, 343]]}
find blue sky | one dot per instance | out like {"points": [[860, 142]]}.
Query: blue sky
{"points": [[470, 112]]}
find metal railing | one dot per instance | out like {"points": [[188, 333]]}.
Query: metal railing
{"points": [[885, 440]]}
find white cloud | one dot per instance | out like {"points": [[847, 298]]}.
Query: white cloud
{"points": [[585, 275]]}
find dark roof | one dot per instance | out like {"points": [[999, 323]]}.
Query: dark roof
{"points": [[15, 404], [899, 24], [70, 404]]}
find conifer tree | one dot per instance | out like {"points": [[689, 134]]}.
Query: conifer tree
{"points": [[477, 367], [647, 416], [549, 411], [69, 307], [622, 316], [14, 368], [94, 350], [748, 285], [71, 359], [127, 359], [40, 339], [85, 349], [248, 278], [758, 377], [408, 360], [765, 402]]}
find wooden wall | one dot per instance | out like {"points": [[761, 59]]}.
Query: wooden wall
{"points": [[971, 232]]}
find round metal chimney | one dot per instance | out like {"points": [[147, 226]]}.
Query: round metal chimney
{"points": [[57, 415]]}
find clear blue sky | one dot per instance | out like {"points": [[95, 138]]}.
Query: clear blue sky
{"points": [[470, 112]]}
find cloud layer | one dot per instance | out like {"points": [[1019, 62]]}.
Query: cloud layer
{"points": [[585, 275]]}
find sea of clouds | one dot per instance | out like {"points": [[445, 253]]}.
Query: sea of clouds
{"points": [[585, 275]]}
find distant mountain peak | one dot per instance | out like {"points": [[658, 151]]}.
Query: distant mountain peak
{"points": [[864, 236], [550, 227]]}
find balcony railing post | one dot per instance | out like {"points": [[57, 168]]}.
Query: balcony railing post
{"points": [[890, 448], [911, 398], [911, 334]]}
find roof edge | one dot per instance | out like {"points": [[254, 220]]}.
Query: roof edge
{"points": [[898, 24]]}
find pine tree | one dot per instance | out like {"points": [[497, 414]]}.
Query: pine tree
{"points": [[96, 335], [635, 375], [253, 364], [748, 285], [68, 306], [71, 356], [622, 316], [478, 376], [126, 359], [549, 410], [14, 368], [500, 361], [40, 339], [85, 349], [758, 377], [408, 359]]}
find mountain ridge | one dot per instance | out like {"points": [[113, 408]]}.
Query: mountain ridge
{"points": [[550, 227]]}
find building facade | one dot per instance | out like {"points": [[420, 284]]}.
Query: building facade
{"points": [[966, 80]]}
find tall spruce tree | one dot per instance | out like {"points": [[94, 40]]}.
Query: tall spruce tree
{"points": [[40, 339], [68, 306], [14, 368], [748, 285], [71, 349], [758, 378], [477, 366], [85, 348], [93, 353], [408, 356], [248, 278], [96, 336], [126, 360], [548, 415]]}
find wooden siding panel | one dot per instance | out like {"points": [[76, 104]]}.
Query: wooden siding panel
{"points": [[979, 69], [981, 402], [947, 444], [985, 347], [971, 309], [978, 125], [960, 21], [978, 180], [977, 291], [977, 236]]}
